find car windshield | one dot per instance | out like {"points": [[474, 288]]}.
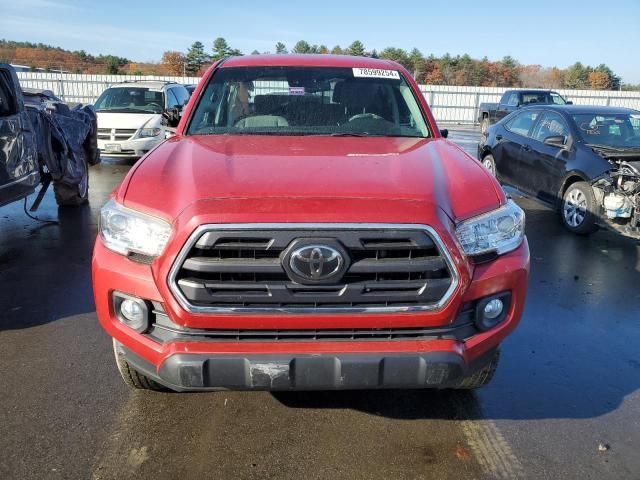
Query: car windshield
{"points": [[130, 99], [308, 101], [615, 130]]}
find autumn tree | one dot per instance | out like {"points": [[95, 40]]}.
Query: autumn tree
{"points": [[322, 49], [174, 62], [337, 50]]}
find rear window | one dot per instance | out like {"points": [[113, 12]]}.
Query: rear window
{"points": [[308, 101]]}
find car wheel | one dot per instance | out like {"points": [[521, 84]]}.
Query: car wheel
{"points": [[484, 125], [480, 378], [67, 195], [489, 163], [578, 208], [131, 376]]}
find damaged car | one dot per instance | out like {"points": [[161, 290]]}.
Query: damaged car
{"points": [[582, 160], [42, 142]]}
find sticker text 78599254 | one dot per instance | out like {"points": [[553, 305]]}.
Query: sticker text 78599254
{"points": [[376, 73]]}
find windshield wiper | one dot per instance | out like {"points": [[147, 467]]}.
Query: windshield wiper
{"points": [[125, 109], [351, 135], [611, 147]]}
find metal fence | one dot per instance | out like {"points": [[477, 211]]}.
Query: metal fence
{"points": [[450, 104]]}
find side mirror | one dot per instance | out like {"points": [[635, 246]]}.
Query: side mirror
{"points": [[444, 133], [172, 115], [569, 102], [559, 141]]}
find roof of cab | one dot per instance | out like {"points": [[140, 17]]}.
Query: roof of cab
{"points": [[308, 60]]}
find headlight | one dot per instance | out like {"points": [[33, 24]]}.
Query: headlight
{"points": [[150, 132], [499, 231], [126, 231]]}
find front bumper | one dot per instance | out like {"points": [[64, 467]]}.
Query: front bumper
{"points": [[200, 363], [185, 372], [135, 148]]}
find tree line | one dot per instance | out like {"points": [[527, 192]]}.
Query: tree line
{"points": [[429, 70]]}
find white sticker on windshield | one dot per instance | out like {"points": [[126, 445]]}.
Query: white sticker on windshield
{"points": [[155, 89], [376, 73]]}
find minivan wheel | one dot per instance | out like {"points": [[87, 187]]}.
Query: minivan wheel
{"points": [[480, 378], [578, 207], [130, 375], [489, 163]]}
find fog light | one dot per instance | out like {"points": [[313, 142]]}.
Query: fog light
{"points": [[493, 309], [131, 311]]}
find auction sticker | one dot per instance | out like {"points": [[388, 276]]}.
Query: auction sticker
{"points": [[376, 73]]}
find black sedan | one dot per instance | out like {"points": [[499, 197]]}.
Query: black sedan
{"points": [[582, 160]]}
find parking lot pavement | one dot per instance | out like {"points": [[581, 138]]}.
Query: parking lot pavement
{"points": [[569, 380]]}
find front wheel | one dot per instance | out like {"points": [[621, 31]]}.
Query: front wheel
{"points": [[67, 195], [130, 375], [490, 164], [484, 124], [578, 208], [480, 378]]}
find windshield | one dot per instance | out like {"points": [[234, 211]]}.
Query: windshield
{"points": [[618, 130], [130, 99], [308, 101]]}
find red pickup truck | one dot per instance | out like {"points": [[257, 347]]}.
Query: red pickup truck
{"points": [[308, 227]]}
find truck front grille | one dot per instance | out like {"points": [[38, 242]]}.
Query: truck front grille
{"points": [[243, 268]]}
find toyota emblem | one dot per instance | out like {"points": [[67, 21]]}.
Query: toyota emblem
{"points": [[316, 262]]}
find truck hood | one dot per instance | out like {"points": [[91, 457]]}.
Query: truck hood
{"points": [[127, 120], [283, 171]]}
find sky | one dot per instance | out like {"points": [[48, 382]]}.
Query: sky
{"points": [[548, 33]]}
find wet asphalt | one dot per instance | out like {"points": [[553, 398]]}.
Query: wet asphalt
{"points": [[569, 380]]}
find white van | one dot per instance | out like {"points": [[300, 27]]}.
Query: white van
{"points": [[132, 116]]}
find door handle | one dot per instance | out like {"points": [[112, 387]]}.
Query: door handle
{"points": [[498, 137], [526, 148]]}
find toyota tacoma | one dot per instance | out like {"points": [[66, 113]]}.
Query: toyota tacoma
{"points": [[307, 228]]}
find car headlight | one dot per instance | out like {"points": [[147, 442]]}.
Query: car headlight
{"points": [[150, 132], [499, 231], [127, 231]]}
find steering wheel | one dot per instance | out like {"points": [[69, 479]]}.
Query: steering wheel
{"points": [[153, 104], [367, 116]]}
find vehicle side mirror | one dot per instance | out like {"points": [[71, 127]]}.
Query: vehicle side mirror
{"points": [[569, 102], [558, 141], [444, 133], [172, 115]]}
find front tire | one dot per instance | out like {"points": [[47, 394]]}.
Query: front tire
{"points": [[67, 195], [578, 208], [484, 125], [490, 164], [131, 376], [480, 378]]}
